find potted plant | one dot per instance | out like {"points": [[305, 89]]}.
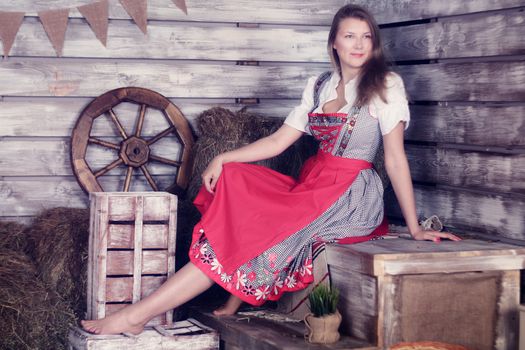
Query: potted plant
{"points": [[324, 320]]}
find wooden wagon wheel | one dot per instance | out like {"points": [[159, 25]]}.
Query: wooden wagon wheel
{"points": [[134, 150]]}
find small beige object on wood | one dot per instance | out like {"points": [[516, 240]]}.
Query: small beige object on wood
{"points": [[183, 335], [131, 249], [401, 290]]}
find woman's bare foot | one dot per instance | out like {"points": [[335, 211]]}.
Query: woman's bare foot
{"points": [[119, 322], [230, 308]]}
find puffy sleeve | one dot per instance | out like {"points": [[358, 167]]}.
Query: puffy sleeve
{"points": [[298, 117], [395, 110]]}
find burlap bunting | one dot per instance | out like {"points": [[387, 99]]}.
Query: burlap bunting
{"points": [[10, 22], [181, 4], [55, 25], [96, 15], [138, 10], [55, 21]]}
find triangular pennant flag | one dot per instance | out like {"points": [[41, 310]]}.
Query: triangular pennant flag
{"points": [[55, 25], [181, 4], [10, 22], [96, 15], [138, 10]]}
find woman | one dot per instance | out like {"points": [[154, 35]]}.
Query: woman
{"points": [[258, 226]]}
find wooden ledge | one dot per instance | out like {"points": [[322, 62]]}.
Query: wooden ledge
{"points": [[398, 256], [251, 332]]}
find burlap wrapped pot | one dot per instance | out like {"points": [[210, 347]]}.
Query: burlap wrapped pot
{"points": [[324, 329]]}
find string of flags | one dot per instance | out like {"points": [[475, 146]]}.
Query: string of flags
{"points": [[55, 21]]}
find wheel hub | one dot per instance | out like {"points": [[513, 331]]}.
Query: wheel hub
{"points": [[134, 152]]}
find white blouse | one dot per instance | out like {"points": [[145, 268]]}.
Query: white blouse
{"points": [[389, 114]]}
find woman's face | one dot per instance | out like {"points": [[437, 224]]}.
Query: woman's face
{"points": [[353, 44]]}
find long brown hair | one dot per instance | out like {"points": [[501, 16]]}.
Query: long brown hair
{"points": [[374, 71]]}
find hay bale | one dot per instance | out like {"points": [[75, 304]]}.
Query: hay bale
{"points": [[13, 236], [288, 162], [64, 231], [32, 316], [217, 122], [222, 130]]}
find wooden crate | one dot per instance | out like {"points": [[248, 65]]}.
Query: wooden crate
{"points": [[131, 249], [182, 335], [397, 290]]}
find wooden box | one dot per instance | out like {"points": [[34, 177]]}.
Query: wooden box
{"points": [[182, 335], [131, 249], [295, 304], [396, 290]]}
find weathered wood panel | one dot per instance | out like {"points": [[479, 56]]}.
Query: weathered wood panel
{"points": [[52, 157], [402, 256], [183, 335], [269, 11], [503, 173], [502, 126], [180, 40], [19, 197], [465, 81], [369, 257], [119, 289], [61, 77], [357, 301], [56, 117], [466, 36], [112, 308], [472, 211], [28, 196], [251, 332], [454, 37], [444, 124], [120, 262], [122, 236], [139, 207], [494, 81]]}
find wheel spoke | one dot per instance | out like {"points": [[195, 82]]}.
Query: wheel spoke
{"points": [[149, 178], [140, 121], [165, 160], [160, 135], [117, 124], [127, 181], [108, 167], [103, 143]]}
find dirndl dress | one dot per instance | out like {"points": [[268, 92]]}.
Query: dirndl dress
{"points": [[257, 230]]}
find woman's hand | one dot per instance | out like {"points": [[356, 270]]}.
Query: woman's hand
{"points": [[211, 174], [434, 236]]}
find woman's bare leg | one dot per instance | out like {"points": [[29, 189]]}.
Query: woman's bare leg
{"points": [[184, 285], [231, 307]]}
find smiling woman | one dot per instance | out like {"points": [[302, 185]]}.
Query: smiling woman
{"points": [[251, 213], [353, 44]]}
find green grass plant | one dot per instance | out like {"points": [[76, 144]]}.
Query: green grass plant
{"points": [[323, 300]]}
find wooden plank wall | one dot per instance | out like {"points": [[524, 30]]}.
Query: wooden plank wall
{"points": [[462, 62]]}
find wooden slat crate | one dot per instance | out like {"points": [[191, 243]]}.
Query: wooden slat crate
{"points": [[182, 335], [131, 249], [396, 290]]}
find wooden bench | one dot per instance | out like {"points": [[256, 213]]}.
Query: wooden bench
{"points": [[268, 330], [395, 290]]}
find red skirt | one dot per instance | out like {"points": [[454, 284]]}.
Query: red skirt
{"points": [[254, 207]]}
